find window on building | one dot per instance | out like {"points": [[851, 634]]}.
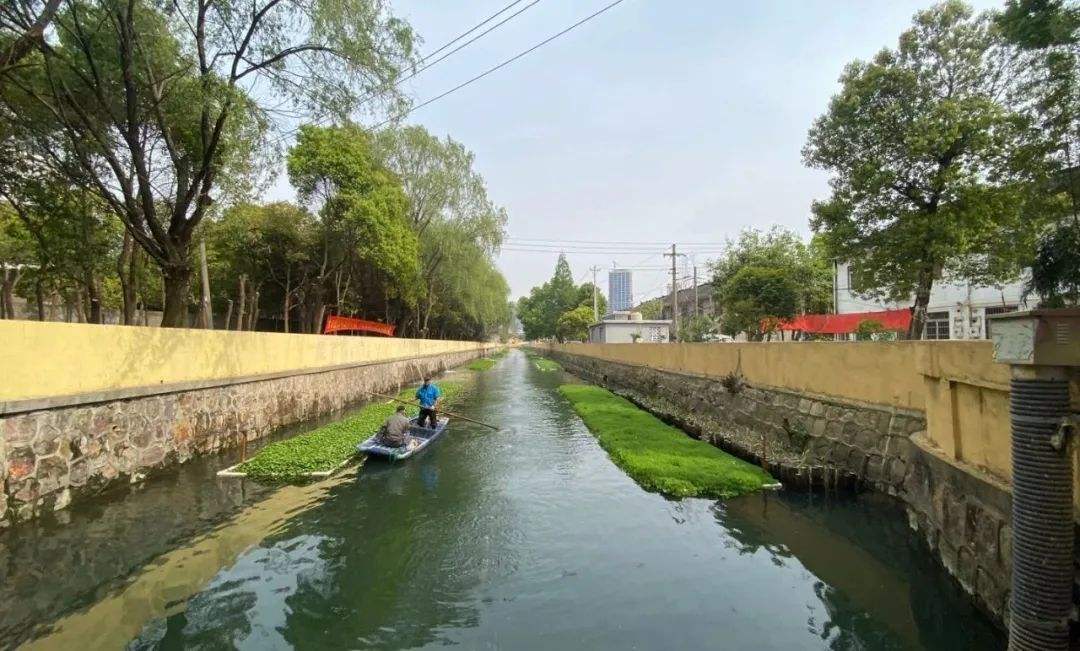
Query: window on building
{"points": [[937, 325]]}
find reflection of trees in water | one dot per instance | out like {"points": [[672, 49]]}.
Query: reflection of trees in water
{"points": [[877, 583], [52, 566]]}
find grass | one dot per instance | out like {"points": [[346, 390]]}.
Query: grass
{"points": [[329, 446], [545, 364], [481, 364], [658, 456]]}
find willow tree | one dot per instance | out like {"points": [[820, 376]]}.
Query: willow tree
{"points": [[932, 172], [162, 107], [459, 227]]}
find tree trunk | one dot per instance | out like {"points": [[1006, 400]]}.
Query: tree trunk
{"points": [[39, 296], [924, 284], [241, 302], [93, 296], [8, 281], [125, 272], [177, 282], [288, 299], [228, 314], [253, 313]]}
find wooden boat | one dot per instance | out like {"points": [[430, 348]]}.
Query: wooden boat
{"points": [[419, 438]]}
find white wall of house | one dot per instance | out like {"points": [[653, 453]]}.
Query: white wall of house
{"points": [[622, 332], [956, 310]]}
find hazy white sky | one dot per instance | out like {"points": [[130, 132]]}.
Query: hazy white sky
{"points": [[658, 121]]}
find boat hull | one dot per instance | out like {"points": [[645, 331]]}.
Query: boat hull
{"points": [[423, 437]]}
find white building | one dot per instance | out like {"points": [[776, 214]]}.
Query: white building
{"points": [[629, 328], [956, 310]]}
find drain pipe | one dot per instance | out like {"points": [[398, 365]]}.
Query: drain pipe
{"points": [[1041, 346]]}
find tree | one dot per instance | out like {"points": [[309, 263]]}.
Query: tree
{"points": [[868, 330], [585, 297], [755, 299], [22, 28], [807, 265], [460, 230], [16, 252], [1047, 36], [363, 229], [932, 172], [541, 309], [697, 328], [573, 325], [146, 103]]}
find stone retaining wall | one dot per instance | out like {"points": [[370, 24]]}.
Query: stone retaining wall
{"points": [[50, 457], [818, 442]]}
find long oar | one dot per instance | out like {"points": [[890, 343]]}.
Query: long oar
{"points": [[441, 411]]}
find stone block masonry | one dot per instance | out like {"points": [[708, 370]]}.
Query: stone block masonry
{"points": [[819, 442], [57, 449]]}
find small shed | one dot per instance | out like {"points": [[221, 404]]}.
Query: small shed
{"points": [[630, 330]]}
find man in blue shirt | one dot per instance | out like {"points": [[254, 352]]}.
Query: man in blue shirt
{"points": [[428, 396]]}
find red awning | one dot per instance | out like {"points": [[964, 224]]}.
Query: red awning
{"points": [[335, 324], [837, 324]]}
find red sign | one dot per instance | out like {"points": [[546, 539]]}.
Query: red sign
{"points": [[336, 324], [897, 320]]}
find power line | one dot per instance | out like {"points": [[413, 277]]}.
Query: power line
{"points": [[501, 65], [464, 45], [658, 243]]}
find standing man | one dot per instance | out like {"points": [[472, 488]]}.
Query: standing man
{"points": [[428, 396]]}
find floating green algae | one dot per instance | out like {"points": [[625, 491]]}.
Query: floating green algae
{"points": [[544, 364], [481, 364], [327, 447], [658, 456]]}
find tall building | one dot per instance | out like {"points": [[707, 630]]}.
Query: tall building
{"points": [[620, 290]]}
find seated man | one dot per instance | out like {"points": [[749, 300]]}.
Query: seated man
{"points": [[428, 397], [395, 432]]}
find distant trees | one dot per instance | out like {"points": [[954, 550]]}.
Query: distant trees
{"points": [[764, 277], [934, 168], [540, 312]]}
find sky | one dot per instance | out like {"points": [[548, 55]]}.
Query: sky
{"points": [[656, 122]]}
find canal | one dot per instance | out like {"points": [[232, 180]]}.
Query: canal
{"points": [[526, 538]]}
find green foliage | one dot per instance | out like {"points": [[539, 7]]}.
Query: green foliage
{"points": [[932, 171], [658, 456], [652, 309], [482, 364], [573, 325], [462, 294], [697, 328], [133, 103], [868, 330], [546, 365], [1055, 273], [754, 298], [329, 446], [767, 275], [540, 311]]}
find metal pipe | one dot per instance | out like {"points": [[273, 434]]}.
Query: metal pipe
{"points": [[1042, 514]]}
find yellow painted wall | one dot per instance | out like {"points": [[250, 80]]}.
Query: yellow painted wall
{"points": [[963, 392], [45, 360]]}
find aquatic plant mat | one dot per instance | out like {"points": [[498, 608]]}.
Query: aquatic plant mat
{"points": [[481, 364], [323, 451], [544, 364], [658, 456]]}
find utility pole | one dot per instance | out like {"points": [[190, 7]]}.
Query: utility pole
{"points": [[595, 304], [674, 294], [696, 311]]}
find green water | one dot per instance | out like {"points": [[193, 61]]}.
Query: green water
{"points": [[526, 538]]}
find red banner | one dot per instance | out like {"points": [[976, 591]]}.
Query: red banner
{"points": [[336, 324], [896, 320]]}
